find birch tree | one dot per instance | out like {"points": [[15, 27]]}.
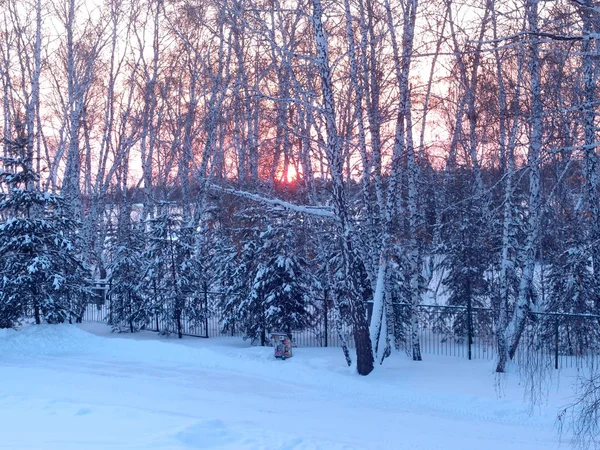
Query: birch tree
{"points": [[517, 323], [333, 151]]}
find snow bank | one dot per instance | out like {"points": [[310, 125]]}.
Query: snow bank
{"points": [[46, 340], [82, 390]]}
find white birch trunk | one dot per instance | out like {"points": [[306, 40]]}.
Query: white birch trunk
{"points": [[404, 144], [591, 176], [519, 319], [364, 352], [507, 257]]}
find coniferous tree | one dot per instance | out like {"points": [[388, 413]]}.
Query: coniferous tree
{"points": [[227, 281], [269, 286], [467, 258], [331, 277], [572, 288], [283, 282], [238, 263], [131, 306], [40, 269], [242, 307], [400, 299], [174, 271]]}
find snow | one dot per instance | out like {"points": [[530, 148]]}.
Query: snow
{"points": [[66, 387], [314, 210]]}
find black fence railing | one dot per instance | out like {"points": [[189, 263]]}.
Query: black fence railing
{"points": [[558, 339], [455, 331], [564, 339]]}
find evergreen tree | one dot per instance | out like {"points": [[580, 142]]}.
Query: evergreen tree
{"points": [[572, 288], [467, 257], [131, 306], [237, 268], [40, 269], [282, 282], [243, 305], [400, 295], [228, 280], [330, 274], [269, 285], [174, 271]]}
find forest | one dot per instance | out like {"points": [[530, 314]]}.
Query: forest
{"points": [[279, 151]]}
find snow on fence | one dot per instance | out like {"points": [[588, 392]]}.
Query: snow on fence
{"points": [[560, 339]]}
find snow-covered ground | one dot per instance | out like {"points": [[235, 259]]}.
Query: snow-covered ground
{"points": [[64, 387]]}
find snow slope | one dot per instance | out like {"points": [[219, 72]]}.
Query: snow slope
{"points": [[63, 387]]}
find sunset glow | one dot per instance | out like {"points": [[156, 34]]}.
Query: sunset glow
{"points": [[291, 174]]}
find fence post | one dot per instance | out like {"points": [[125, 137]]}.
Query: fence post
{"points": [[110, 304], [206, 308], [325, 313], [469, 320], [556, 343], [155, 305]]}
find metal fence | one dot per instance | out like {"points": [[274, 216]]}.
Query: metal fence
{"points": [[559, 339], [208, 322]]}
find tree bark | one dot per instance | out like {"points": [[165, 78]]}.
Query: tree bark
{"points": [[364, 351]]}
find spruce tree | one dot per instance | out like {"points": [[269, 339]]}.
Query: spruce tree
{"points": [[283, 282], [242, 305], [573, 288], [174, 271], [41, 272], [241, 310], [131, 306], [467, 259], [269, 285], [227, 280]]}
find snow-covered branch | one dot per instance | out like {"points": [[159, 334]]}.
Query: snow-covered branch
{"points": [[320, 211]]}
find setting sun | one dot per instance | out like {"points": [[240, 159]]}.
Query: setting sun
{"points": [[291, 174]]}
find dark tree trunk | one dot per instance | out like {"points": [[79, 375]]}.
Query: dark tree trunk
{"points": [[36, 313], [364, 352]]}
